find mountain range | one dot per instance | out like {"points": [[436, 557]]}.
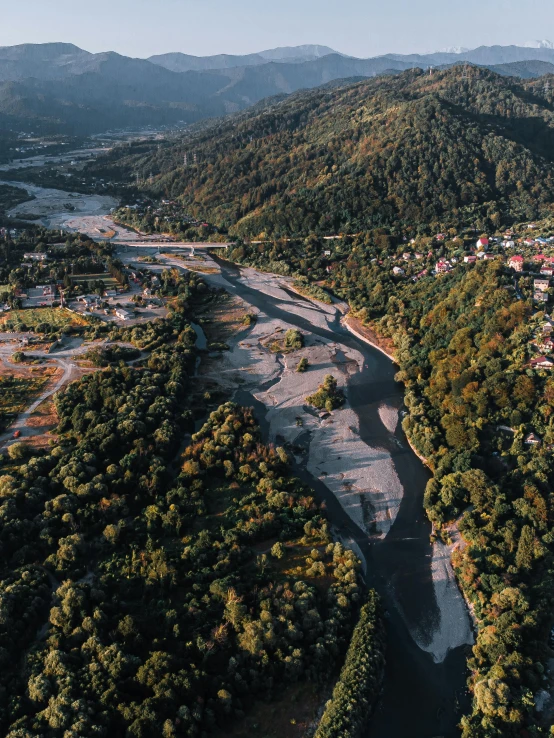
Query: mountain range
{"points": [[59, 87]]}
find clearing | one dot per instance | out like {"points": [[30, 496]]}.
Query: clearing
{"points": [[54, 317]]}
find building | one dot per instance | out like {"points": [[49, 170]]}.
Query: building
{"points": [[442, 266], [470, 259], [541, 285], [516, 263], [123, 314], [532, 440], [34, 256], [508, 243], [547, 271], [482, 243], [541, 362], [397, 271], [539, 296]]}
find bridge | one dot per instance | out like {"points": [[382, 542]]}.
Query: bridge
{"points": [[169, 246]]}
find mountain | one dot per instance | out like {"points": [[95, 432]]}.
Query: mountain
{"points": [[483, 55], [178, 62], [407, 152], [60, 88], [544, 44], [288, 53], [524, 70]]}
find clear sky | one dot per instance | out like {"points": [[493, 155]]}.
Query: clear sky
{"points": [[202, 27]]}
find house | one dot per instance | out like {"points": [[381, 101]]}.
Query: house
{"points": [[442, 266], [532, 440], [541, 285], [539, 296], [539, 258], [482, 243], [547, 343], [547, 271], [488, 257], [418, 255], [419, 275], [398, 271], [123, 314], [508, 244], [516, 263], [541, 362], [470, 259], [33, 256], [529, 242], [406, 256]]}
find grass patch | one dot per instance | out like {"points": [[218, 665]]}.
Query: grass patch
{"points": [[108, 280], [57, 318], [17, 393], [313, 291]]}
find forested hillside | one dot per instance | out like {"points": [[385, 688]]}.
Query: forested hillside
{"points": [[411, 152]]}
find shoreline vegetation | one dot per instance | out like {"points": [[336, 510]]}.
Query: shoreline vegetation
{"points": [[369, 336]]}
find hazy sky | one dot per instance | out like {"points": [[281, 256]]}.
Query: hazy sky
{"points": [[358, 27]]}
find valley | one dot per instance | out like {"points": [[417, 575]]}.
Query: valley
{"points": [[357, 459], [282, 386]]}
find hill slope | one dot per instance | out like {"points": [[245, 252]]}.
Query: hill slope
{"points": [[403, 151]]}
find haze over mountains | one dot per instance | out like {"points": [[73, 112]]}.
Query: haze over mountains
{"points": [[59, 87]]}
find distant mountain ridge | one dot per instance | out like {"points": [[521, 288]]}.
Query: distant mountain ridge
{"points": [[59, 87], [179, 62]]}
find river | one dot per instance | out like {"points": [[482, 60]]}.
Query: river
{"points": [[421, 698]]}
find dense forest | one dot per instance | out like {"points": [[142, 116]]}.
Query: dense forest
{"points": [[415, 152], [151, 586]]}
